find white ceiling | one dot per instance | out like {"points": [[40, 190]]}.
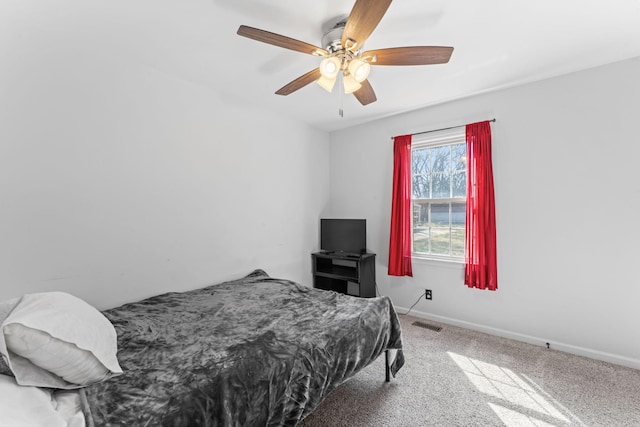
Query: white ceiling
{"points": [[498, 43]]}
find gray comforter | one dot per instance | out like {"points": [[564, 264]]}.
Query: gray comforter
{"points": [[257, 351]]}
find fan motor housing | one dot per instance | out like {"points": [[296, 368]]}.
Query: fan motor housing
{"points": [[332, 40]]}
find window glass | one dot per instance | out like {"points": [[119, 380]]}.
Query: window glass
{"points": [[459, 157], [441, 159], [420, 161], [458, 220], [459, 184], [421, 186], [439, 190], [441, 185]]}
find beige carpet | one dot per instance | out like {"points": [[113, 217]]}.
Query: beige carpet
{"points": [[458, 377]]}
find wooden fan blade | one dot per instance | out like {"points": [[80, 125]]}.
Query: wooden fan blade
{"points": [[279, 40], [363, 19], [299, 83], [411, 55], [365, 94]]}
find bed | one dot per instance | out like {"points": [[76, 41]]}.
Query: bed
{"points": [[253, 351]]}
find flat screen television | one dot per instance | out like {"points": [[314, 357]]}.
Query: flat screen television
{"points": [[347, 236]]}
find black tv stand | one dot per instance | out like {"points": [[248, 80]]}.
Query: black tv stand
{"points": [[353, 274]]}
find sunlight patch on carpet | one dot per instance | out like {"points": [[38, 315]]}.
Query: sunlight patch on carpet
{"points": [[515, 401], [514, 418]]}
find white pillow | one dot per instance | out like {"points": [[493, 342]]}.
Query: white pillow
{"points": [[56, 340], [72, 364], [6, 307], [4, 367], [27, 406]]}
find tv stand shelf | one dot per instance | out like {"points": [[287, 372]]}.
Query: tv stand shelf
{"points": [[347, 274]]}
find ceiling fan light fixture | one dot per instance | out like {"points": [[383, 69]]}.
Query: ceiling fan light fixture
{"points": [[343, 51], [330, 67], [359, 69], [350, 84], [326, 83]]}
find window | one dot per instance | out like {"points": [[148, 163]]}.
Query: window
{"points": [[439, 193]]}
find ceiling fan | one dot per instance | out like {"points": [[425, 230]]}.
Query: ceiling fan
{"points": [[342, 52]]}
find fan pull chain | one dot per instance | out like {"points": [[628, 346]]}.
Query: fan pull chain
{"points": [[341, 111]]}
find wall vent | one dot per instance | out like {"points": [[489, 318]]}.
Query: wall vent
{"points": [[427, 326]]}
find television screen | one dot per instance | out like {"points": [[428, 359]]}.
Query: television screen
{"points": [[343, 235]]}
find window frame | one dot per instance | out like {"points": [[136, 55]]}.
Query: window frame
{"points": [[437, 139]]}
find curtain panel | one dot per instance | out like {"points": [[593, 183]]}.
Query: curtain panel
{"points": [[481, 267], [400, 236]]}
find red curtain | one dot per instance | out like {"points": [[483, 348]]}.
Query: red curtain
{"points": [[481, 267], [400, 239]]}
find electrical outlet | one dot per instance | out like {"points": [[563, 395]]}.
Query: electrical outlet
{"points": [[427, 294]]}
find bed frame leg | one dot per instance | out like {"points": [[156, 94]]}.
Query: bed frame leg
{"points": [[387, 370]]}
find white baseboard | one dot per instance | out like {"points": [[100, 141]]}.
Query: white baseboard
{"points": [[567, 348]]}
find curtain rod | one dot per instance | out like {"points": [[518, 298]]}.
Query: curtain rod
{"points": [[437, 130]]}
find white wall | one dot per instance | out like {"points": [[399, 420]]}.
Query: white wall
{"points": [[119, 181], [565, 156]]}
